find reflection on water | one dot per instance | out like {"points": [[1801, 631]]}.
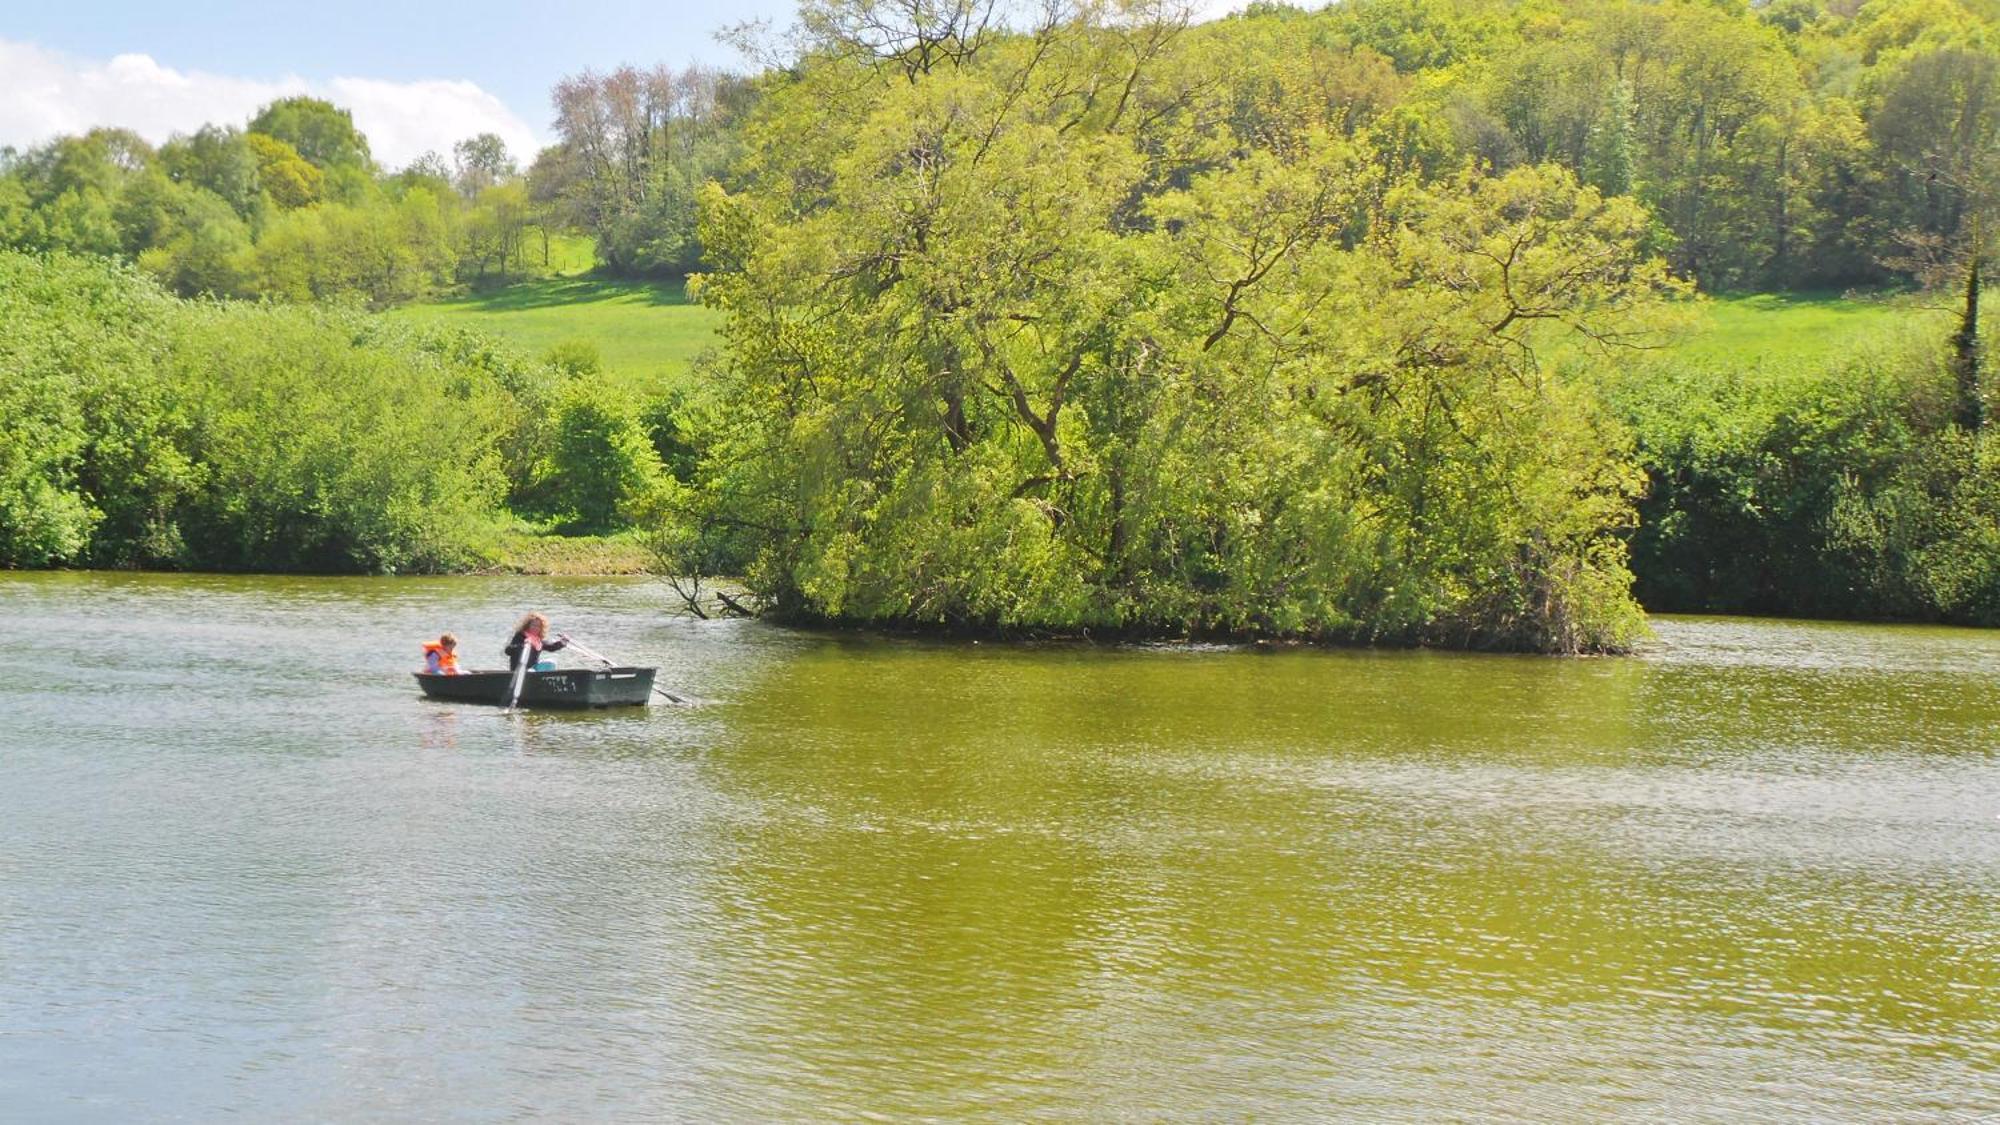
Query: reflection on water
{"points": [[243, 867]]}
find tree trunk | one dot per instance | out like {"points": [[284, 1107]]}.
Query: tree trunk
{"points": [[956, 431], [1781, 244], [1970, 413]]}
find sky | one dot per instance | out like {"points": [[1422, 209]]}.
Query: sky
{"points": [[419, 75]]}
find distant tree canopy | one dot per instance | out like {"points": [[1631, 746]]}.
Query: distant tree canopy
{"points": [[321, 132], [1784, 145], [635, 147], [292, 208]]}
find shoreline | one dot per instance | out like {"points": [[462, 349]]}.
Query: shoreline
{"points": [[625, 559]]}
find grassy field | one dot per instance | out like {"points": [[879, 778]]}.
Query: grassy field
{"points": [[645, 332], [1797, 329]]}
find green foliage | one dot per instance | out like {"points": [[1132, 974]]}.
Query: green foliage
{"points": [[286, 177], [292, 209], [218, 159], [483, 162], [333, 444], [383, 254], [321, 132], [674, 428], [145, 431], [81, 344], [635, 147], [1020, 360], [600, 463], [1832, 486], [575, 358]]}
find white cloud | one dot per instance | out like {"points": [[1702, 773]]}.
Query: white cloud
{"points": [[46, 93]]}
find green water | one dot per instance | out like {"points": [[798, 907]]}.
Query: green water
{"points": [[244, 868]]}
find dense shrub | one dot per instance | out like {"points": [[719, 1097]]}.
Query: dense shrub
{"points": [[333, 443], [1842, 491], [145, 430], [599, 462], [90, 457]]}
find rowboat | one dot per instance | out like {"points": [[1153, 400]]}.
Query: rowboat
{"points": [[563, 687]]}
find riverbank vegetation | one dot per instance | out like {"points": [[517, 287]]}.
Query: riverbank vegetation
{"points": [[1825, 484], [146, 430], [1375, 323], [1106, 324]]}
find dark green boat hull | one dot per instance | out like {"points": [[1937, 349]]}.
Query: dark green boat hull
{"points": [[565, 687]]}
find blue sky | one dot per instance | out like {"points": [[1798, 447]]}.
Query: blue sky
{"points": [[418, 76], [205, 53], [512, 49]]}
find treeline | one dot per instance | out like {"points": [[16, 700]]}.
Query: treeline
{"points": [[293, 207], [1782, 145], [1076, 318], [145, 430], [1093, 321], [634, 149]]}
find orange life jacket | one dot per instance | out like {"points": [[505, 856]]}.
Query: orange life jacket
{"points": [[447, 658]]}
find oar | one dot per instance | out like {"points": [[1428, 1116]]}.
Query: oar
{"points": [[520, 675], [589, 654]]}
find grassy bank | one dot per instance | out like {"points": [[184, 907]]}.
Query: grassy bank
{"points": [[527, 552]]}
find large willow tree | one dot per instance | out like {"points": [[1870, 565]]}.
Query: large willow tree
{"points": [[1069, 327]]}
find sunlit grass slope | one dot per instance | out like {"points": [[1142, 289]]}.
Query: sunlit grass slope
{"points": [[1794, 330], [645, 331]]}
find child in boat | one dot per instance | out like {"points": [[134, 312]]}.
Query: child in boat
{"points": [[531, 640], [441, 656]]}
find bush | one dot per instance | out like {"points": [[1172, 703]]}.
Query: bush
{"points": [[89, 463], [599, 463], [334, 444], [1838, 491], [147, 431]]}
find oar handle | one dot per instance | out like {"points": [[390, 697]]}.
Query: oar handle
{"points": [[590, 654]]}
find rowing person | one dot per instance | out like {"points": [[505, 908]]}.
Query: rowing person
{"points": [[531, 640]]}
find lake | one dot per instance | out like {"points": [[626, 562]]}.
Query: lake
{"points": [[1753, 872]]}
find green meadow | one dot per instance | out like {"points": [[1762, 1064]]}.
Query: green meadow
{"points": [[1768, 330], [645, 332]]}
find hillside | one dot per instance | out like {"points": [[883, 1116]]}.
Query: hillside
{"points": [[1796, 329], [650, 330], [645, 332]]}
